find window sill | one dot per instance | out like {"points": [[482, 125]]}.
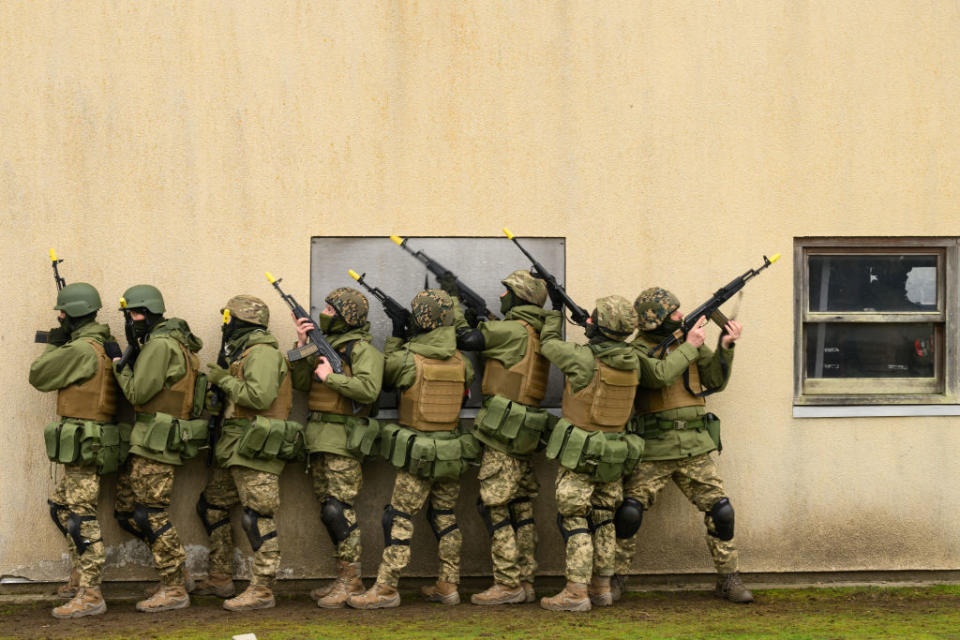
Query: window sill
{"points": [[875, 411]]}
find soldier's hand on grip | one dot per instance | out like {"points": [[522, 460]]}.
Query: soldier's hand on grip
{"points": [[58, 336], [217, 374], [112, 349]]}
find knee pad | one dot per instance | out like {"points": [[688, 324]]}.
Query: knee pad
{"points": [[600, 518], [435, 524], [628, 518], [334, 517], [487, 518], [515, 519], [125, 520], [722, 515], [250, 521], [74, 521], [389, 513], [141, 519], [55, 509], [565, 532], [203, 510]]}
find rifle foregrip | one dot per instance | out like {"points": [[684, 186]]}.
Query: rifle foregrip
{"points": [[42, 337], [299, 353]]}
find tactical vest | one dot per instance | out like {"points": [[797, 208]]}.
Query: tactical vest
{"points": [[675, 396], [605, 403], [524, 382], [326, 400], [432, 402], [96, 397], [279, 408], [177, 400]]}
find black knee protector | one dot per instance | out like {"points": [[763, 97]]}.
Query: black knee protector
{"points": [[722, 515], [568, 533], [435, 524], [125, 520], [389, 513], [141, 520], [250, 521], [333, 514], [74, 521], [515, 520], [203, 510], [628, 519], [55, 509], [600, 518], [487, 518]]}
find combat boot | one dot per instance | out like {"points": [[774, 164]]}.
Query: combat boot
{"points": [[166, 598], [573, 598], [442, 592], [215, 584], [730, 587], [70, 588], [618, 585], [601, 595], [379, 596], [255, 596], [187, 579], [347, 584], [87, 602], [530, 595], [500, 594]]}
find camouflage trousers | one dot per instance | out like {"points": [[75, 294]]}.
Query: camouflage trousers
{"points": [[700, 482], [586, 517], [340, 477], [150, 483], [410, 493], [75, 496], [508, 487], [258, 491]]}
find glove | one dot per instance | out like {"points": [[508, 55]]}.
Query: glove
{"points": [[58, 336], [448, 282], [556, 299], [399, 325], [217, 374], [112, 350]]}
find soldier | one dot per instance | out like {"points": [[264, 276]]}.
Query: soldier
{"points": [[589, 443], [339, 432], [76, 364], [161, 386], [432, 377], [679, 434], [510, 424], [258, 392]]}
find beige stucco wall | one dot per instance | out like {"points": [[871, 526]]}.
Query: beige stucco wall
{"points": [[194, 145]]}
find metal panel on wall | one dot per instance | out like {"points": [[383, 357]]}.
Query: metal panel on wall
{"points": [[479, 262]]}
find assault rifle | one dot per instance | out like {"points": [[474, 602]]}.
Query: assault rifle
{"points": [[216, 399], [318, 344], [397, 313], [711, 308], [578, 315], [133, 344], [43, 337], [472, 300]]}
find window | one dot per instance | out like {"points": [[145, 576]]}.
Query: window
{"points": [[876, 321]]}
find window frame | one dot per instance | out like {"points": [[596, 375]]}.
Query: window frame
{"points": [[880, 391]]}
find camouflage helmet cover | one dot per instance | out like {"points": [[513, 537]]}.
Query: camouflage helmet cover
{"points": [[78, 299], [615, 317], [143, 296], [249, 309], [526, 287], [653, 305], [432, 308], [350, 304]]}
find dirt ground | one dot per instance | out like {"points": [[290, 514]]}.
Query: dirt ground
{"points": [[930, 612]]}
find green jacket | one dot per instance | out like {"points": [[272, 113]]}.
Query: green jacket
{"points": [[76, 361], [576, 361], [656, 373], [362, 386], [263, 371], [399, 369]]}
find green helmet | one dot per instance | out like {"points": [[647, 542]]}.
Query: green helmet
{"points": [[432, 308], [615, 317], [653, 305], [249, 309], [142, 296], [526, 287], [350, 304], [78, 299]]}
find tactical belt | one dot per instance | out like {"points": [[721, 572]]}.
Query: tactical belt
{"points": [[321, 416], [654, 428]]}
